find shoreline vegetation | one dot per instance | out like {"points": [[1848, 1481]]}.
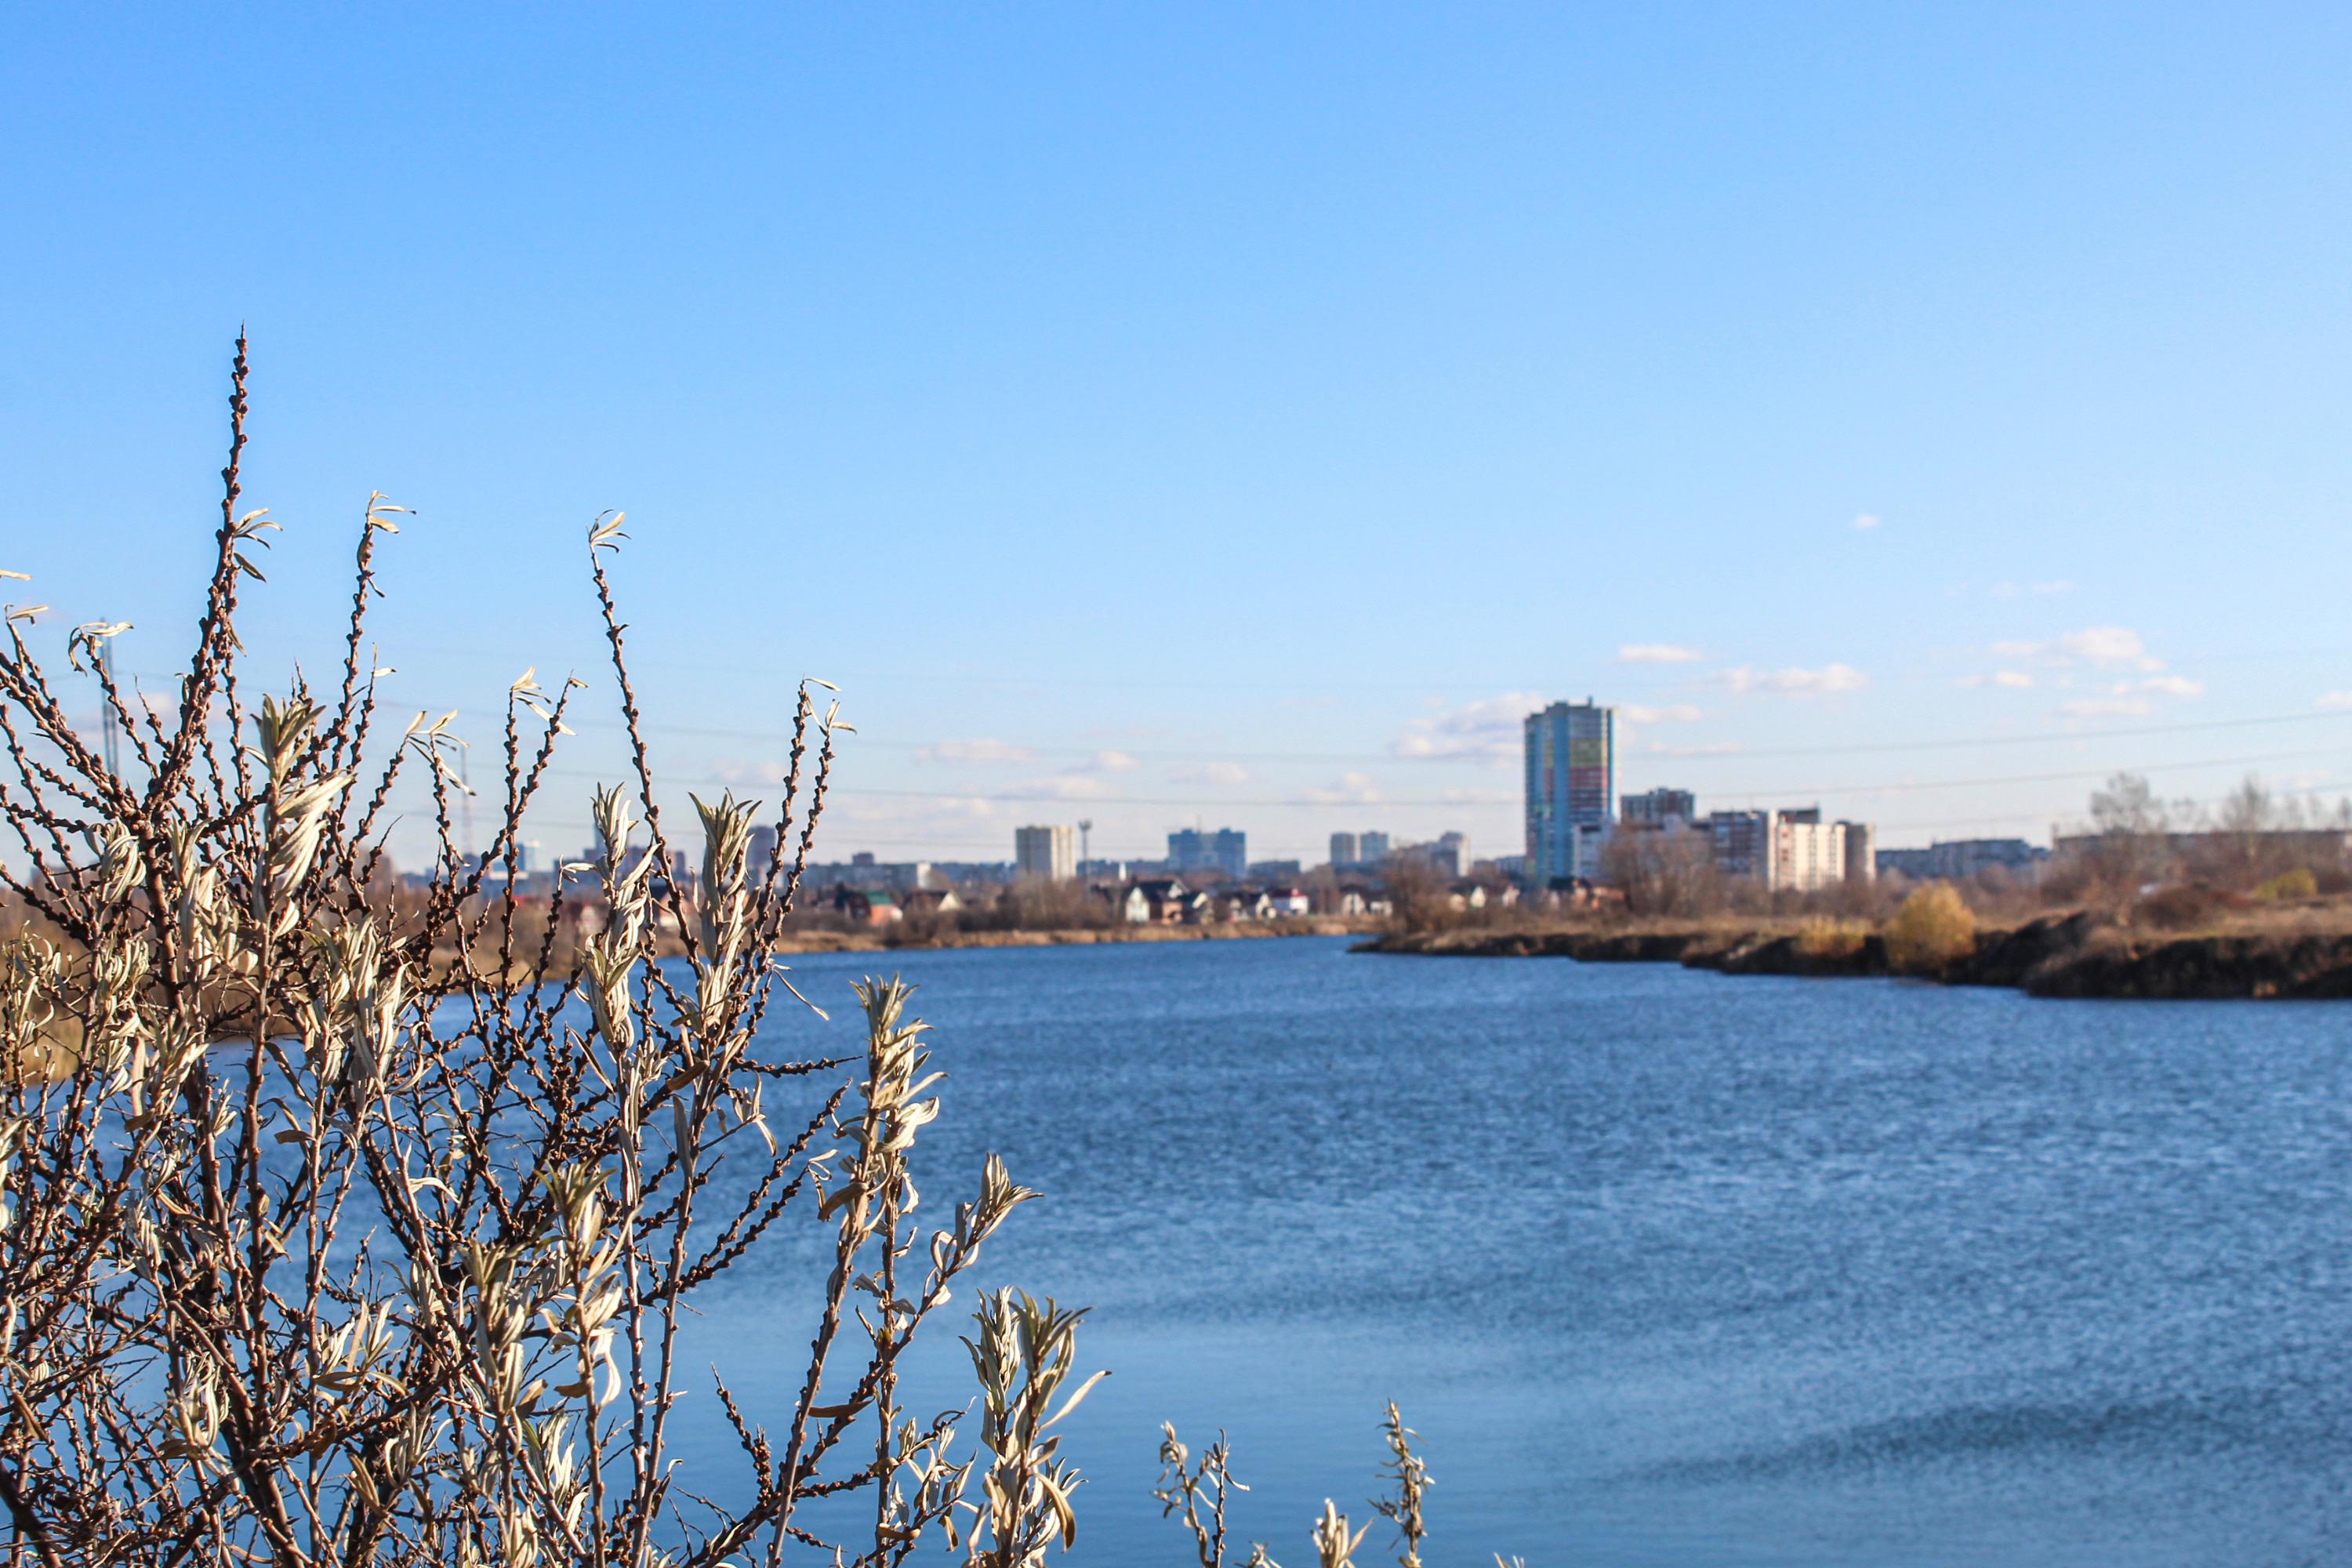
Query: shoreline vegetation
{"points": [[2070, 954], [891, 939]]}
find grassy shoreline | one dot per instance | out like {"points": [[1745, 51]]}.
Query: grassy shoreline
{"points": [[2065, 955]]}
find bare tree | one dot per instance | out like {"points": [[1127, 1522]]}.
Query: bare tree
{"points": [[1667, 872], [1418, 897], [2130, 846], [2256, 834]]}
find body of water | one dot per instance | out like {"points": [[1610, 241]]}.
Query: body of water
{"points": [[1666, 1266]]}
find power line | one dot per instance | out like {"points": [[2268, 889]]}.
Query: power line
{"points": [[1092, 802], [1361, 758]]}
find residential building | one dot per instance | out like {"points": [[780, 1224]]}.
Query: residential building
{"points": [[1571, 777], [1793, 850], [1963, 860], [1287, 902], [1225, 851], [929, 900], [1448, 855], [1375, 848], [1453, 851], [1657, 808], [1586, 840], [1812, 856], [873, 907], [1275, 870], [1130, 904], [863, 870], [1245, 904], [1167, 899], [967, 873], [1346, 849], [1861, 853], [1047, 854]]}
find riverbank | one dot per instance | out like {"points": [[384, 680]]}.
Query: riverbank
{"points": [[888, 939], [2058, 955]]}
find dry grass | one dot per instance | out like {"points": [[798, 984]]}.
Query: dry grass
{"points": [[1827, 938]]}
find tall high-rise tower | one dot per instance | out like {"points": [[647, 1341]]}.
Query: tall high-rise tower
{"points": [[1571, 783]]}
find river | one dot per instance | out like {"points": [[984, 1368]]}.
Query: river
{"points": [[1666, 1266]]}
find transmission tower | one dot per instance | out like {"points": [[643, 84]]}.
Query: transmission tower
{"points": [[1086, 826]]}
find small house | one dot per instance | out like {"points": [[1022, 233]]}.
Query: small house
{"points": [[866, 906]]}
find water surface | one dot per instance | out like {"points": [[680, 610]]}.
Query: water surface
{"points": [[1666, 1266]]}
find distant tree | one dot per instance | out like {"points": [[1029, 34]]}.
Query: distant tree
{"points": [[1418, 897], [1666, 871], [1932, 931], [2131, 844]]}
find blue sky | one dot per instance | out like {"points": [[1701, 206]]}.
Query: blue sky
{"points": [[1234, 413]]}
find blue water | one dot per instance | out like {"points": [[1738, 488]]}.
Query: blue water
{"points": [[1667, 1267]]}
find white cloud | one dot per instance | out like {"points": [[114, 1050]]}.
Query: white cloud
{"points": [[1672, 713], [1491, 730], [1212, 774], [2173, 686], [2101, 648], [2007, 680], [1353, 789], [980, 749], [2109, 647], [1657, 653], [738, 769], [1866, 522], [1070, 786], [2107, 708], [1712, 749], [872, 811], [1793, 683], [2335, 700], [1082, 781]]}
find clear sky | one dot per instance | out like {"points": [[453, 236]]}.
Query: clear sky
{"points": [[1240, 415]]}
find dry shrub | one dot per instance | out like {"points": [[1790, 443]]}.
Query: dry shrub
{"points": [[1823, 938], [1932, 931], [320, 1246], [2185, 906], [1197, 1494], [2299, 883]]}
